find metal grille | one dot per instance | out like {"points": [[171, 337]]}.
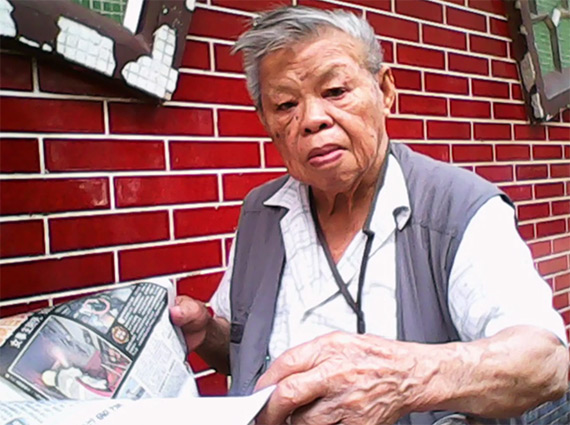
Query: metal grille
{"points": [[114, 9]]}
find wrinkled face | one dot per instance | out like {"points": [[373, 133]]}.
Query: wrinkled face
{"points": [[325, 111]]}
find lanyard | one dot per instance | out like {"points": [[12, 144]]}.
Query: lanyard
{"points": [[356, 306]]}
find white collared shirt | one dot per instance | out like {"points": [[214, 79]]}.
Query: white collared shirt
{"points": [[492, 286]]}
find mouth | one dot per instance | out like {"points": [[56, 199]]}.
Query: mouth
{"points": [[325, 155]]}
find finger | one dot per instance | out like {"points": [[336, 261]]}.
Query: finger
{"points": [[292, 393], [320, 412], [187, 312]]}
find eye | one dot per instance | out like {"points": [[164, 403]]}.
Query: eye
{"points": [[285, 106], [335, 92]]}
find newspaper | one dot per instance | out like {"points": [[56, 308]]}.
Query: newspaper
{"points": [[108, 358]]}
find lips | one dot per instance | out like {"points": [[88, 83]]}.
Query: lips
{"points": [[324, 155]]}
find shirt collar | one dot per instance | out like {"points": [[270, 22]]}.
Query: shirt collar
{"points": [[392, 203]]}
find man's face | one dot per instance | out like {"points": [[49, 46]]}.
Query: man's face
{"points": [[324, 110]]}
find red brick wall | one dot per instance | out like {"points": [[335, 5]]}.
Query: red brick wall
{"points": [[97, 188]]}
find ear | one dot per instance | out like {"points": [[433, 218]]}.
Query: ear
{"points": [[387, 87]]}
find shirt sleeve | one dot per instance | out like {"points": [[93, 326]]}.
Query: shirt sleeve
{"points": [[493, 283], [220, 301]]}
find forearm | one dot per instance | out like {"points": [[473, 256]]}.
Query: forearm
{"points": [[501, 376], [215, 347]]}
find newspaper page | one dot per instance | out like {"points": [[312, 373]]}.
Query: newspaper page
{"points": [[82, 361]]}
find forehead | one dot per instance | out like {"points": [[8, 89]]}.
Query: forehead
{"points": [[321, 53]]}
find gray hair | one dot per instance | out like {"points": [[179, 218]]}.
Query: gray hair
{"points": [[284, 26]]}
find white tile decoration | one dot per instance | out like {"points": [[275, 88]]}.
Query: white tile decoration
{"points": [[81, 44], [29, 42], [7, 24], [154, 74], [190, 5]]}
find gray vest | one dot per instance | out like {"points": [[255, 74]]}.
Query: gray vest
{"points": [[443, 199]]}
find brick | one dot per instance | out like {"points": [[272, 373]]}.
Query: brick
{"points": [[375, 4], [19, 156], [215, 384], [407, 79], [561, 207], [472, 153], [504, 70], [190, 155], [492, 6], [509, 111], [12, 310], [516, 91], [200, 287], [547, 152], [400, 128], [559, 170], [441, 83], [488, 131], [211, 89], [216, 24], [236, 186], [158, 190], [529, 132], [561, 244], [387, 51], [533, 211], [422, 105], [67, 234], [272, 156], [443, 37], [540, 249], [130, 118], [567, 152], [51, 115], [327, 6], [562, 282], [435, 151], [518, 192], [103, 155], [531, 172], [470, 108], [251, 5], [549, 228], [468, 64], [72, 79], [464, 19], [21, 238], [205, 221], [489, 88], [565, 115], [553, 265], [558, 133], [225, 61], [240, 123], [15, 72], [448, 130], [495, 173], [420, 9], [419, 56], [499, 27], [197, 363], [28, 196], [196, 55], [389, 26], [512, 152], [169, 259], [527, 231], [55, 275], [487, 45]]}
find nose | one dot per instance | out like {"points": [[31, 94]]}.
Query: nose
{"points": [[316, 117]]}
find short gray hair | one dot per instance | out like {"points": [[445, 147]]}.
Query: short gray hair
{"points": [[284, 26]]}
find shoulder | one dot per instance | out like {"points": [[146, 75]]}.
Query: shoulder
{"points": [[257, 196], [439, 191]]}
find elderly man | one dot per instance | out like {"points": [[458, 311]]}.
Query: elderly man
{"points": [[371, 284]]}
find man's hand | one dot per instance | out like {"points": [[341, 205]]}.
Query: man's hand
{"points": [[342, 378], [193, 317], [208, 336]]}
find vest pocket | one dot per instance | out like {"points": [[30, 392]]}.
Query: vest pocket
{"points": [[236, 332]]}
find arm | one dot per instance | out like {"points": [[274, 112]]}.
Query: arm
{"points": [[208, 336], [362, 379]]}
